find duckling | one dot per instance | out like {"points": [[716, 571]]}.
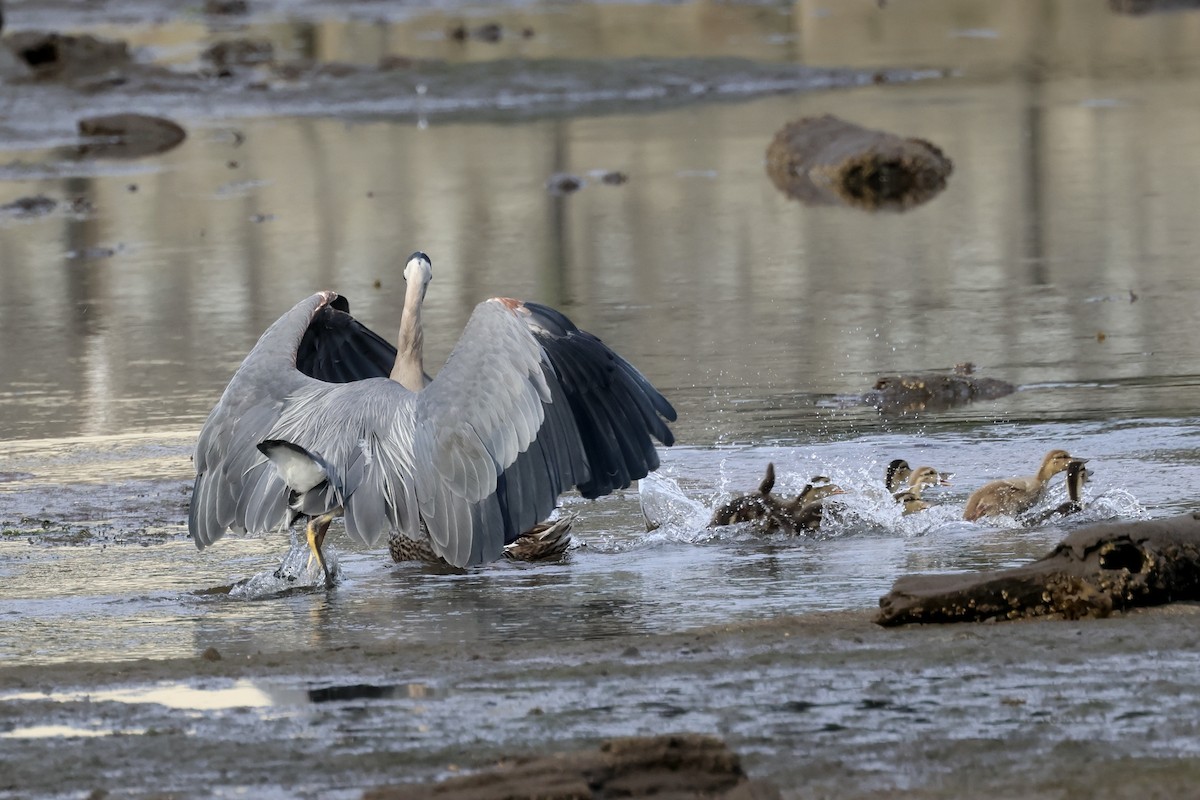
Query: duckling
{"points": [[807, 509], [818, 488], [545, 541], [1011, 496], [924, 477], [1077, 476], [897, 473], [911, 500], [749, 507]]}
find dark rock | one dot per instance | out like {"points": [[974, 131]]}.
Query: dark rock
{"points": [[1093, 572], [564, 183], [56, 56], [211, 654], [240, 53], [828, 161], [933, 391], [1140, 7], [672, 767], [34, 206], [226, 7], [129, 135]]}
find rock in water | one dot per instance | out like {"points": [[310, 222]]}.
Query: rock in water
{"points": [[826, 160]]}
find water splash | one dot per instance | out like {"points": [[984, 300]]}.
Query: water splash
{"points": [[298, 570], [669, 513]]}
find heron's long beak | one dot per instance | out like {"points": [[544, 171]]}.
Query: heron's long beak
{"points": [[317, 527]]}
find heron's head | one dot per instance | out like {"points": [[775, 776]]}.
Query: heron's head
{"points": [[418, 268]]}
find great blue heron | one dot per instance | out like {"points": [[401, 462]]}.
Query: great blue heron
{"points": [[525, 407]]}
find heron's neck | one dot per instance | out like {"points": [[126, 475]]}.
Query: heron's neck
{"points": [[409, 370]]}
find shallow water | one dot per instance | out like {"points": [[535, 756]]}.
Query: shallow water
{"points": [[1061, 257]]}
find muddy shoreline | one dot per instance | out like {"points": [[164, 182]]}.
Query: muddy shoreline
{"points": [[844, 719]]}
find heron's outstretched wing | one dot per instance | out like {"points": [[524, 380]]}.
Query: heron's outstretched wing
{"points": [[305, 354], [338, 348], [526, 407]]}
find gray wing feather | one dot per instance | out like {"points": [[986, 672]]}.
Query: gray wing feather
{"points": [[503, 425], [352, 425]]}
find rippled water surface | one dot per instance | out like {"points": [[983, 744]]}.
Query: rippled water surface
{"points": [[1061, 257]]}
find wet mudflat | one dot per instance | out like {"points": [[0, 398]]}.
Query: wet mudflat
{"points": [[1060, 257]]}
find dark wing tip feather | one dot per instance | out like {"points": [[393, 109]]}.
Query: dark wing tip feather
{"points": [[615, 408], [337, 348]]}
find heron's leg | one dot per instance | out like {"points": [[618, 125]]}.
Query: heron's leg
{"points": [[317, 527]]}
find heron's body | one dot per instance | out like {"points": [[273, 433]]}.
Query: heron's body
{"points": [[525, 407]]}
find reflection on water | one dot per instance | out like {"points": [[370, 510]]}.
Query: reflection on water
{"points": [[1061, 257]]}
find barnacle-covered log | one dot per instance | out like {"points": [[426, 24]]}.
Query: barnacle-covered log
{"points": [[826, 160], [1091, 573]]}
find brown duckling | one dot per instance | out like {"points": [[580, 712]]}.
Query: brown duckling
{"points": [[545, 541], [1011, 496], [924, 477], [907, 484], [911, 500], [749, 507], [770, 514], [898, 473], [806, 510], [818, 488], [1077, 476]]}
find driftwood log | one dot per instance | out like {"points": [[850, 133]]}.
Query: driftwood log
{"points": [[1091, 573], [670, 766], [827, 161]]}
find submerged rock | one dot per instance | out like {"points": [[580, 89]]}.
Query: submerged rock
{"points": [[827, 161], [1093, 572], [33, 206], [129, 135], [1139, 7], [564, 183], [934, 391], [240, 53], [678, 766], [57, 56]]}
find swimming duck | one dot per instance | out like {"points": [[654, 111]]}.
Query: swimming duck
{"points": [[771, 514], [545, 541], [924, 477], [749, 507], [1011, 496], [911, 500], [807, 509], [1077, 476], [897, 474]]}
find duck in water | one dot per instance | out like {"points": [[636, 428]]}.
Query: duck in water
{"points": [[1077, 476], [1012, 496]]}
